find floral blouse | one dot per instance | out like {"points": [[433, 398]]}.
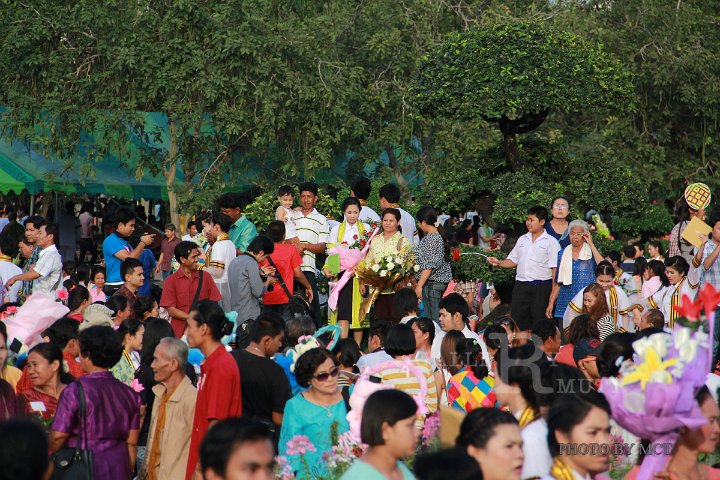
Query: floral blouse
{"points": [[430, 255], [382, 248]]}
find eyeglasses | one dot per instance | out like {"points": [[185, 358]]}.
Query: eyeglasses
{"points": [[560, 207], [323, 377]]}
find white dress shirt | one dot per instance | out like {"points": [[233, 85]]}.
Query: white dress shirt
{"points": [[534, 259]]}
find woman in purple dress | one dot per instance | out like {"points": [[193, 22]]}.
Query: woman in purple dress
{"points": [[113, 409]]}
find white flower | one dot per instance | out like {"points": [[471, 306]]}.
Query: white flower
{"points": [[383, 273], [685, 345], [375, 268], [390, 265], [416, 268], [396, 260], [657, 342]]}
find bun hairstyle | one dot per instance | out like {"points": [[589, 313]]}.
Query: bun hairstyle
{"points": [[470, 355], [212, 315], [678, 263], [430, 216]]}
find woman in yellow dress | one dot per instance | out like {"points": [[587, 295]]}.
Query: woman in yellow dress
{"points": [[389, 242]]}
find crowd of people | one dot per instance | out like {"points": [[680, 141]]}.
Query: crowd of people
{"points": [[208, 355]]}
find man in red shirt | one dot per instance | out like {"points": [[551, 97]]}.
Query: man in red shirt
{"points": [[219, 396], [181, 287], [287, 262], [167, 249]]}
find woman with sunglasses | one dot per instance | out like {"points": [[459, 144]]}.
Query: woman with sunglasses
{"points": [[315, 413]]}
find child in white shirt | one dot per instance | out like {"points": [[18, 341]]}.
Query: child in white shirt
{"points": [[284, 212]]}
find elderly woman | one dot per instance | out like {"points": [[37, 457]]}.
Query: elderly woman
{"points": [[112, 419], [49, 379], [576, 268], [314, 413]]}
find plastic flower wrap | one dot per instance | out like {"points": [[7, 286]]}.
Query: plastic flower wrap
{"points": [[26, 324], [350, 257], [654, 397]]}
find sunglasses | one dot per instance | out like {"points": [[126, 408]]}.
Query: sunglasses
{"points": [[323, 377]]}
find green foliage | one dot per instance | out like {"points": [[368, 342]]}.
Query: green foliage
{"points": [[655, 221], [475, 267], [516, 192], [261, 211], [515, 69], [606, 245]]}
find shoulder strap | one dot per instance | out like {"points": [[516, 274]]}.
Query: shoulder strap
{"points": [[82, 430], [280, 279], [199, 288]]}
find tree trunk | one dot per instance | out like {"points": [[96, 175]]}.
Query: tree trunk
{"points": [[170, 169], [512, 153], [397, 169]]}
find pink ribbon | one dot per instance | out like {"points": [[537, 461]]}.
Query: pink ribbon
{"points": [[348, 262]]}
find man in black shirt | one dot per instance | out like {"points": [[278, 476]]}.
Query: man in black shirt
{"points": [[265, 388]]}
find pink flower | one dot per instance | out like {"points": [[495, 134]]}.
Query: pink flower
{"points": [[136, 385], [299, 445], [61, 295]]}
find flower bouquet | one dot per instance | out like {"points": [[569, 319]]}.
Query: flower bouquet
{"points": [[655, 395], [383, 274], [350, 256]]}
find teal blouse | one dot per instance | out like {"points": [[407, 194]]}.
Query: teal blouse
{"points": [[303, 417], [363, 471]]}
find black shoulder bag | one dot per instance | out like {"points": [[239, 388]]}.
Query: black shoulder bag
{"points": [[75, 463], [297, 305], [197, 292]]}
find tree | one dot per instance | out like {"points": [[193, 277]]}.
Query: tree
{"points": [[515, 74]]}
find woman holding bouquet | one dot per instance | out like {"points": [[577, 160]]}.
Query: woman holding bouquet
{"points": [[350, 234], [433, 257], [389, 243]]}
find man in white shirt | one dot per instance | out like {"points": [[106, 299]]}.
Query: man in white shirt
{"points": [[8, 269], [535, 256], [361, 189], [220, 255], [389, 198], [313, 233], [376, 346], [192, 231], [47, 272], [454, 313]]}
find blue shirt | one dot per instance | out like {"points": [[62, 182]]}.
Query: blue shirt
{"points": [[363, 471], [583, 274], [112, 245], [149, 263], [562, 238], [303, 417]]}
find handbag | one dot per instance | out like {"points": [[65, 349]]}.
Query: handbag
{"points": [[75, 463], [297, 305]]}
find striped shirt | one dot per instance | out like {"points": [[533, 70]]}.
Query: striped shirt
{"points": [[311, 228], [410, 384]]}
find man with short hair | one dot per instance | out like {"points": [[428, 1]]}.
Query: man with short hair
{"points": [[628, 264], [192, 231], [184, 286], [242, 231], [313, 232], [546, 336], [454, 313], [286, 259], [389, 198], [247, 285], [265, 388], [167, 250], [238, 449], [32, 227], [220, 254], [651, 318], [361, 189], [133, 273], [585, 355], [376, 345], [535, 256], [168, 444], [116, 248], [46, 274]]}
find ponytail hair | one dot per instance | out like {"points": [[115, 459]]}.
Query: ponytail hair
{"points": [[470, 355], [658, 269], [430, 216]]}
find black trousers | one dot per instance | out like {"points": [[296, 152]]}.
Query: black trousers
{"points": [[315, 305], [529, 302]]}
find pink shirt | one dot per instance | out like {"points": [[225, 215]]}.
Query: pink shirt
{"points": [[651, 286]]}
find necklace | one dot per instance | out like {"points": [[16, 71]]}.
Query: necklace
{"points": [[258, 350], [324, 407]]}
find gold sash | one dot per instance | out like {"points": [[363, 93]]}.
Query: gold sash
{"points": [[527, 416], [560, 471]]}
